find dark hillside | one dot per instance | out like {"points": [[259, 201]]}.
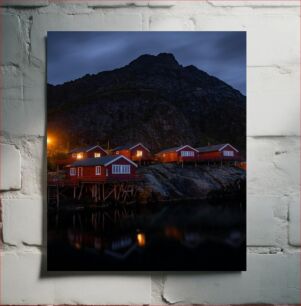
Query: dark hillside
{"points": [[153, 100]]}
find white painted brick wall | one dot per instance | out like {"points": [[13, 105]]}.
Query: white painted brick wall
{"points": [[273, 29], [270, 278], [10, 171]]}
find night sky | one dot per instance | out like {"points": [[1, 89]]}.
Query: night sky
{"points": [[71, 55]]}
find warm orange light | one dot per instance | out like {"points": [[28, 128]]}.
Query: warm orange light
{"points": [[79, 155], [49, 140], [139, 153], [141, 239], [173, 232], [77, 245]]}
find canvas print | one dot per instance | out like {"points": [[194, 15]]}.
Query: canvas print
{"points": [[146, 151]]}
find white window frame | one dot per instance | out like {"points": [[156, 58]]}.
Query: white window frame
{"points": [[80, 171], [97, 154], [187, 153], [228, 153], [98, 170], [121, 169], [72, 171]]}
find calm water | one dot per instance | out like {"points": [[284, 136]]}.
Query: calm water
{"points": [[186, 235]]}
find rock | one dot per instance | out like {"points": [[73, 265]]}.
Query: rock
{"points": [[172, 182]]}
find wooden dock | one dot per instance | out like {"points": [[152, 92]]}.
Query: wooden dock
{"points": [[97, 191]]}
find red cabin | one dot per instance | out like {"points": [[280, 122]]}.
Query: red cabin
{"points": [[220, 152], [102, 169], [87, 152], [178, 154], [81, 153], [137, 152]]}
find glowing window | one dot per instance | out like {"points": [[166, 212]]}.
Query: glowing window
{"points": [[79, 155], [97, 154], [139, 153], [72, 171]]}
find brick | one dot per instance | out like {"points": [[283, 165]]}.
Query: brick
{"points": [[250, 3], [273, 165], [10, 170], [160, 3], [11, 85], [33, 166], [261, 223], [278, 89], [269, 33], [170, 23], [23, 106], [22, 283], [122, 22], [27, 215], [24, 3], [13, 46], [269, 36], [294, 220], [269, 279], [119, 4], [115, 3]]}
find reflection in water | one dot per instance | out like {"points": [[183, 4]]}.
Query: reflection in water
{"points": [[141, 239], [170, 236]]}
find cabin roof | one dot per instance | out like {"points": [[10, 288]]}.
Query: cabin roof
{"points": [[85, 149], [214, 148], [100, 161], [175, 149], [130, 147]]}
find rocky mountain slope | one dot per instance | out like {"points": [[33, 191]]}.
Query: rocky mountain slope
{"points": [[172, 182], [153, 100]]}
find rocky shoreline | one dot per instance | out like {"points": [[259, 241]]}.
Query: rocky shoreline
{"points": [[171, 182]]}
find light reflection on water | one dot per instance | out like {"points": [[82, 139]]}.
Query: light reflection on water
{"points": [[148, 237]]}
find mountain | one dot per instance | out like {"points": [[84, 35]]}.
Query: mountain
{"points": [[153, 100]]}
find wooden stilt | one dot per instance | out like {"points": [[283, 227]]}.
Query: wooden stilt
{"points": [[81, 191], [115, 192], [57, 196]]}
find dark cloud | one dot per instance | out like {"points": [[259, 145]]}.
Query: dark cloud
{"points": [[71, 55]]}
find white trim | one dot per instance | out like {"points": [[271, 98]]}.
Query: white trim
{"points": [[187, 153], [118, 157], [139, 144], [122, 169], [97, 172], [228, 144], [228, 153], [94, 148], [80, 171], [188, 147]]}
